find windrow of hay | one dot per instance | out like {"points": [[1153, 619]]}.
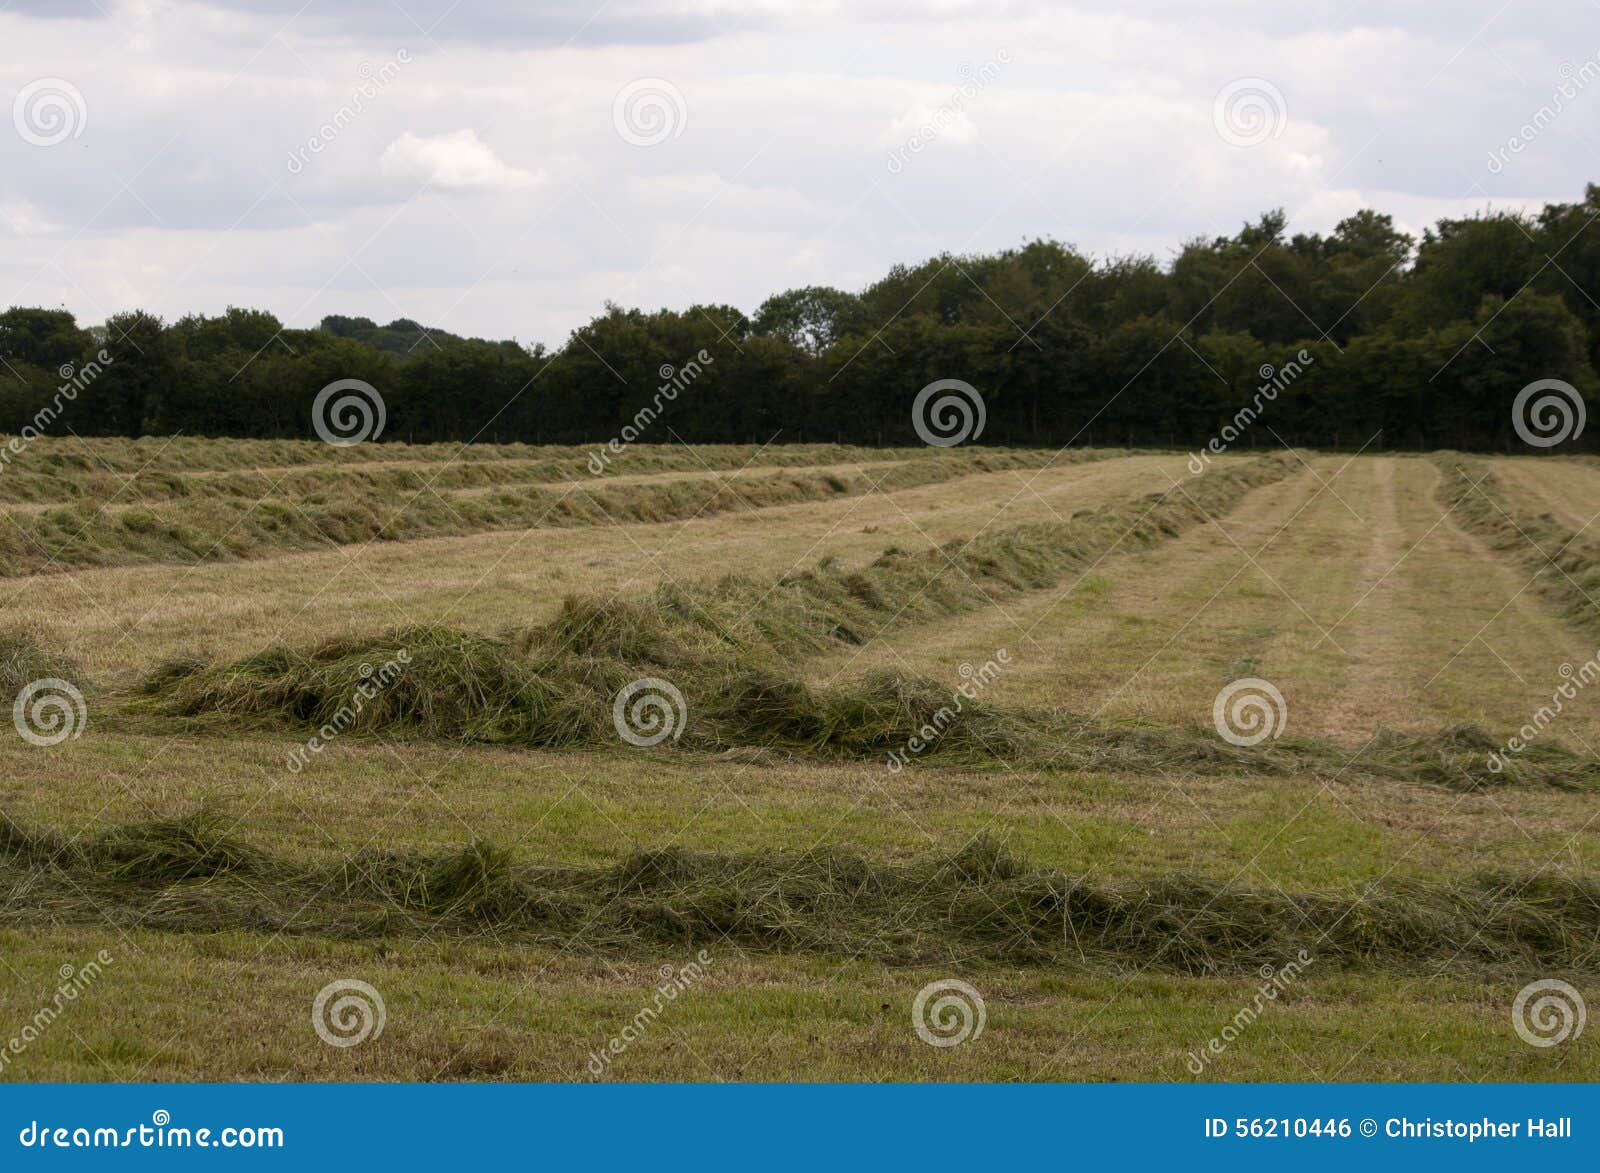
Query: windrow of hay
{"points": [[727, 649], [436, 683], [67, 469], [220, 520], [1566, 563], [831, 606], [724, 646], [981, 903]]}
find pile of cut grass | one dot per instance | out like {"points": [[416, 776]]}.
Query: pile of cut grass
{"points": [[982, 902], [206, 524], [417, 681], [443, 684]]}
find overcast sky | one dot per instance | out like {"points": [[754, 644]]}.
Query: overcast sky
{"points": [[503, 169]]}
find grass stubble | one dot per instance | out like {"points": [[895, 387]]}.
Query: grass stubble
{"points": [[730, 646]]}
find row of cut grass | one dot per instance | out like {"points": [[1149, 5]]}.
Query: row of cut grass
{"points": [[267, 519], [185, 874]]}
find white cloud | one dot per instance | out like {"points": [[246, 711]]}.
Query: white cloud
{"points": [[455, 160], [1097, 131]]}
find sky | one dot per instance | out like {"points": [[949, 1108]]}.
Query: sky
{"points": [[504, 169]]}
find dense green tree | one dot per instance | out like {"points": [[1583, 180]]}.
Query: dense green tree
{"points": [[1361, 336]]}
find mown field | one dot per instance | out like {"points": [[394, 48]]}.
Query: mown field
{"points": [[473, 836]]}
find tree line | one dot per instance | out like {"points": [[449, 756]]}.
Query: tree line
{"points": [[1392, 342]]}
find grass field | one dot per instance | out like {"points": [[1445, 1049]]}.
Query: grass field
{"points": [[351, 714]]}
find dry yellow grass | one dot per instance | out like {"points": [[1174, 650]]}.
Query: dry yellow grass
{"points": [[124, 618], [1569, 489], [1351, 590]]}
